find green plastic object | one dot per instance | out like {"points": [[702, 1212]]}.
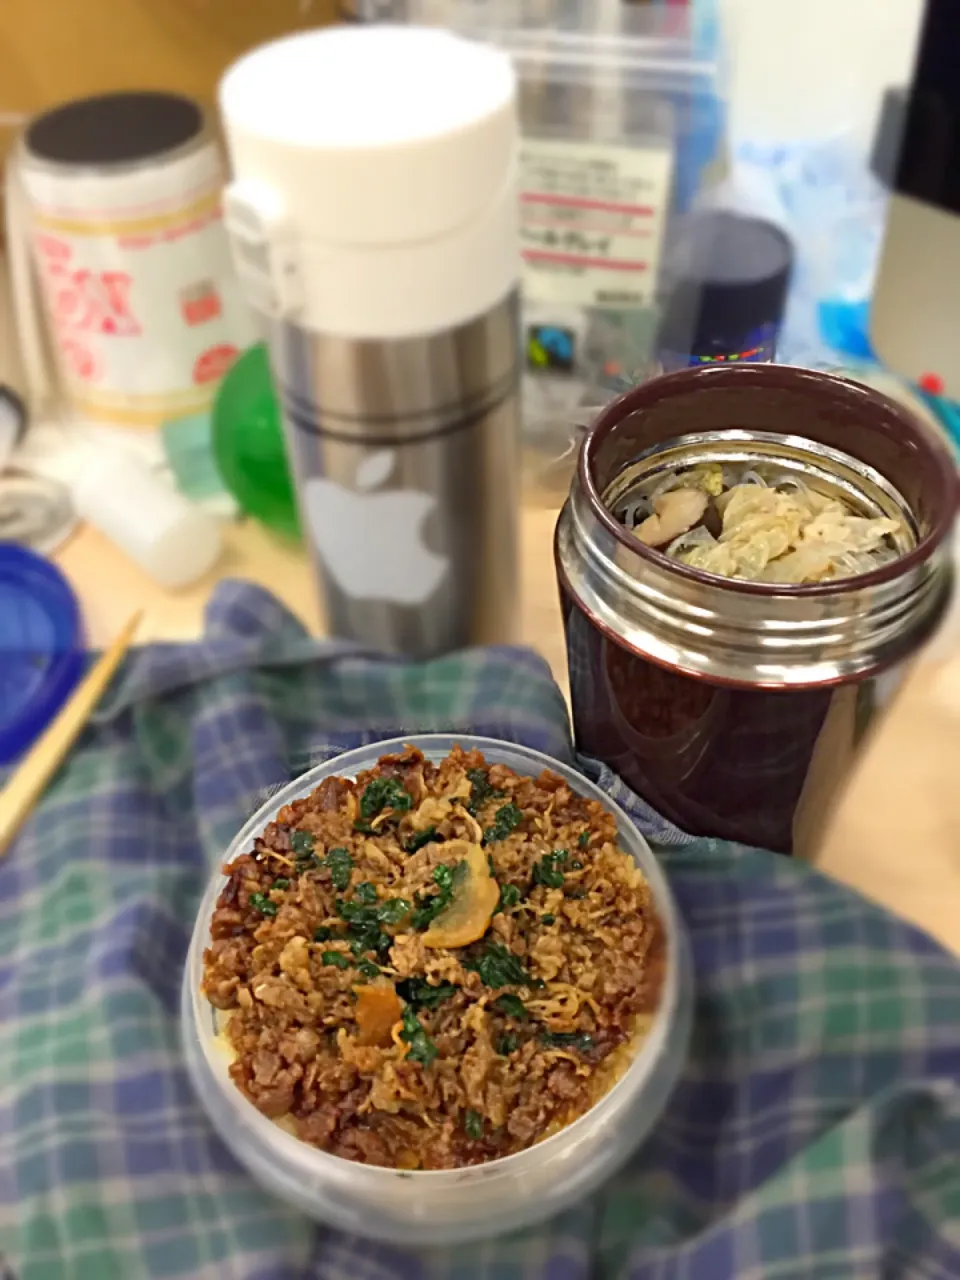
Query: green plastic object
{"points": [[248, 444]]}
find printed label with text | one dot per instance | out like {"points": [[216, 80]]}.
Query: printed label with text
{"points": [[591, 221]]}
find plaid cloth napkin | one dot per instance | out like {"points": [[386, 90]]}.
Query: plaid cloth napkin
{"points": [[815, 1133]]}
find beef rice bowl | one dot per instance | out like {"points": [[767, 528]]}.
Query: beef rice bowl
{"points": [[434, 965]]}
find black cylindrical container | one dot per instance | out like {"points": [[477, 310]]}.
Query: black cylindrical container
{"points": [[726, 287]]}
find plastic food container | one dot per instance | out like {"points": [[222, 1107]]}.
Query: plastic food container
{"points": [[622, 123], [448, 1206]]}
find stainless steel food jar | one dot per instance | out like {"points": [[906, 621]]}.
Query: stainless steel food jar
{"points": [[406, 458], [734, 707]]}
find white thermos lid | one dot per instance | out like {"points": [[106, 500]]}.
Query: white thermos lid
{"points": [[375, 178]]}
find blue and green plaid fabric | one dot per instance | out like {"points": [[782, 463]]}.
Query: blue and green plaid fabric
{"points": [[815, 1133]]}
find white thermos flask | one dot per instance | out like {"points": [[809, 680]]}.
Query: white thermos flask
{"points": [[373, 217]]}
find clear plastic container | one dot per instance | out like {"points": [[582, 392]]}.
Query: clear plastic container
{"points": [[622, 121], [445, 1207]]}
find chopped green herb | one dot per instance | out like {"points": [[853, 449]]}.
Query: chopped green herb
{"points": [[393, 910], [506, 1044], [364, 919], [577, 1040], [384, 793], [420, 839], [447, 879], [418, 991], [365, 915], [512, 1006], [363, 927], [282, 883], [546, 870], [473, 1124], [583, 839], [302, 843], [507, 818], [366, 827], [480, 790], [509, 897], [368, 969], [323, 934], [422, 1048], [260, 902], [499, 967], [336, 958], [548, 919], [339, 863], [378, 942]]}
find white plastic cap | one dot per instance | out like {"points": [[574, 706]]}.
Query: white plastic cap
{"points": [[373, 145], [174, 541]]}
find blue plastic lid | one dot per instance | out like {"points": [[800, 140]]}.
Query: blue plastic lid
{"points": [[41, 646]]}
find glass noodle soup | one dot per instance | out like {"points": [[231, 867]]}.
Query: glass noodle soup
{"points": [[757, 523]]}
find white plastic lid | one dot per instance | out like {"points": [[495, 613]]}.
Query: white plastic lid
{"points": [[375, 135], [174, 541], [356, 151]]}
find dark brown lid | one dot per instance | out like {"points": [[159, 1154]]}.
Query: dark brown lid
{"points": [[114, 129]]}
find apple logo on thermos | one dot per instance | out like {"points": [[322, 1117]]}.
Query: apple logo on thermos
{"points": [[371, 540]]}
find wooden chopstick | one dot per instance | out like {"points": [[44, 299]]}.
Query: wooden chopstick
{"points": [[39, 764]]}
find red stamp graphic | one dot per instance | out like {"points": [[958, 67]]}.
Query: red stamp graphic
{"points": [[200, 303], [214, 363]]}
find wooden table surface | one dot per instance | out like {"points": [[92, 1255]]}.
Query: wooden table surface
{"points": [[896, 836]]}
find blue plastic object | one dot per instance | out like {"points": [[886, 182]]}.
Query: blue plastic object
{"points": [[947, 412], [41, 647], [845, 326]]}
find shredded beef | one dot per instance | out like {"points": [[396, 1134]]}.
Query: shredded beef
{"points": [[499, 1041]]}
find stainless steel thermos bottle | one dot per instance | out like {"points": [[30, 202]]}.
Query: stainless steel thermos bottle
{"points": [[373, 217]]}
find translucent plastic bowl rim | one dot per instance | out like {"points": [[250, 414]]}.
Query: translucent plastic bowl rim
{"points": [[436, 746]]}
